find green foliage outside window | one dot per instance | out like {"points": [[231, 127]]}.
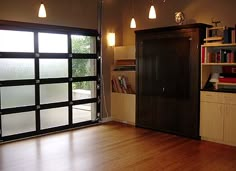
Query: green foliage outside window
{"points": [[82, 67]]}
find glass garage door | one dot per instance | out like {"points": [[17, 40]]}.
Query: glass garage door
{"points": [[48, 80]]}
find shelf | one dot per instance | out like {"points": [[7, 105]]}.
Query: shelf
{"points": [[219, 64], [122, 71], [213, 38], [219, 45], [228, 84], [123, 74], [128, 94], [123, 107], [124, 53]]}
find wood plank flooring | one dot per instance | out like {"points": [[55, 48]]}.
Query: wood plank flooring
{"points": [[115, 146]]}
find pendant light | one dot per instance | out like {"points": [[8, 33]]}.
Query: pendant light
{"points": [[152, 12], [132, 22], [42, 11]]}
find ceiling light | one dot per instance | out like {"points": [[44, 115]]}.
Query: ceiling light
{"points": [[152, 13], [42, 11], [133, 23]]}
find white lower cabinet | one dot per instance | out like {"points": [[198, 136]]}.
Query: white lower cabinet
{"points": [[230, 125], [218, 117]]}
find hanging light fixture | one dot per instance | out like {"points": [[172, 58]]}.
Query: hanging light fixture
{"points": [[152, 12], [132, 22], [42, 11]]}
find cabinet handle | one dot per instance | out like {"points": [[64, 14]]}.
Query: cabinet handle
{"points": [[163, 89], [156, 67]]}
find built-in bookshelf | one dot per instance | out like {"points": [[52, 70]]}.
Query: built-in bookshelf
{"points": [[123, 85], [218, 67], [218, 85]]}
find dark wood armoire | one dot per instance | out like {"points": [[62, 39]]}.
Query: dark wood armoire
{"points": [[167, 77]]}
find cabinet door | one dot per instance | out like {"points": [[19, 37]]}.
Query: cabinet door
{"points": [[144, 86], [211, 121], [230, 124], [171, 83]]}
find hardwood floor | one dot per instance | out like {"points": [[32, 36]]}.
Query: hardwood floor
{"points": [[115, 146]]}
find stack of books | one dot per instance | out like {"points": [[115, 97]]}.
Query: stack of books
{"points": [[120, 84]]}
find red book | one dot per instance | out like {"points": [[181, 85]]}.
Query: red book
{"points": [[227, 80], [203, 55]]}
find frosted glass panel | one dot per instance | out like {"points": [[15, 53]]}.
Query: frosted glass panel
{"points": [[83, 44], [17, 96], [16, 69], [53, 43], [18, 123], [84, 112], [54, 117], [51, 93], [53, 68], [16, 41], [84, 90], [83, 67]]}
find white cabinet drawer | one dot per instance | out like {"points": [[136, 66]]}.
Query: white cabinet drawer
{"points": [[217, 97], [210, 96], [228, 98]]}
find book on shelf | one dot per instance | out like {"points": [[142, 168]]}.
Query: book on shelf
{"points": [[120, 84], [203, 51], [221, 56], [233, 35], [228, 35]]}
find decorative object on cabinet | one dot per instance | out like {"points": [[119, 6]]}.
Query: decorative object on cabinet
{"points": [[218, 35], [167, 90], [123, 85], [179, 18]]}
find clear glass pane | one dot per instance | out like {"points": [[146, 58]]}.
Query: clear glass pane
{"points": [[17, 96], [54, 117], [83, 44], [18, 123], [84, 112], [84, 90], [52, 93], [16, 69], [53, 43], [53, 68], [16, 41], [83, 67]]}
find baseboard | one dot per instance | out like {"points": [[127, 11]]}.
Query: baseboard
{"points": [[107, 119], [123, 121], [218, 141]]}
